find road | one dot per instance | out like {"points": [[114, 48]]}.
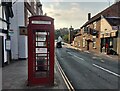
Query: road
{"points": [[88, 71]]}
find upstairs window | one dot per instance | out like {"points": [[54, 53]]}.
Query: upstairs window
{"points": [[94, 41], [83, 42], [94, 24]]}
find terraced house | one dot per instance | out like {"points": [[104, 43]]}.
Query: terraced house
{"points": [[100, 33]]}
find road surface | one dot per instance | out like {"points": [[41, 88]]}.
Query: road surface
{"points": [[88, 71]]}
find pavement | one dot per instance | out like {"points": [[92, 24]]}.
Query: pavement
{"points": [[14, 77]]}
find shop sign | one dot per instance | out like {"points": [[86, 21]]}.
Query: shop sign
{"points": [[113, 34], [10, 32], [101, 35], [107, 35], [23, 30], [41, 22]]}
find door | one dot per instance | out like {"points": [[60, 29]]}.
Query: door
{"points": [[1, 52], [41, 40], [88, 45]]}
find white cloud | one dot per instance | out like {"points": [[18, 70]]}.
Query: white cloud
{"points": [[67, 14], [78, 0], [66, 17]]}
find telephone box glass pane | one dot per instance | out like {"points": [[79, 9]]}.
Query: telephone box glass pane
{"points": [[41, 50], [42, 54]]}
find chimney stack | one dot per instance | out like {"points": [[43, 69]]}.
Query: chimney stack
{"points": [[89, 16]]}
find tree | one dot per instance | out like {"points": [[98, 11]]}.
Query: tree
{"points": [[65, 38]]}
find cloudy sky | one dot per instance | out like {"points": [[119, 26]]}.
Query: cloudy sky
{"points": [[67, 13]]}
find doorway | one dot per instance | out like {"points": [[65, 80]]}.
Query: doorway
{"points": [[1, 52]]}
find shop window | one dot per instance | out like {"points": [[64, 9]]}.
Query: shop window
{"points": [[111, 43]]}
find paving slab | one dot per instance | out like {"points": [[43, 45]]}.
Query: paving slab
{"points": [[14, 77]]}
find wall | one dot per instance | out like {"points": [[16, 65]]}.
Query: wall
{"points": [[97, 48], [22, 39], [105, 25], [115, 44], [16, 21], [118, 42], [98, 41], [5, 52], [3, 25], [108, 27], [23, 47]]}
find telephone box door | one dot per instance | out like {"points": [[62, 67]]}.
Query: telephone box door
{"points": [[40, 52]]}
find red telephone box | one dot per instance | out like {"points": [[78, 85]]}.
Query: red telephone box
{"points": [[41, 50]]}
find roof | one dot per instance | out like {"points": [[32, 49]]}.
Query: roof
{"points": [[78, 34], [113, 21], [114, 8]]}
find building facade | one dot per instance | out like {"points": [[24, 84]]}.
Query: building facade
{"points": [[22, 12], [100, 33], [5, 14], [109, 35]]}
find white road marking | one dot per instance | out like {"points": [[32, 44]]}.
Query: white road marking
{"points": [[87, 51], [94, 57], [102, 60], [108, 56], [76, 56], [107, 70], [79, 58]]}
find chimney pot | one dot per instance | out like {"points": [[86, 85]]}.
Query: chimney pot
{"points": [[89, 16]]}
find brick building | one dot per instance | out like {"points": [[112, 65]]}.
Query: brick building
{"points": [[90, 35]]}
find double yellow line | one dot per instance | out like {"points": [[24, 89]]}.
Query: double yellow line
{"points": [[67, 82]]}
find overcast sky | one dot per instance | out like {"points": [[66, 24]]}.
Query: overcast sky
{"points": [[69, 13]]}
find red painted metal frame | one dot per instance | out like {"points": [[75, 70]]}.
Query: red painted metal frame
{"points": [[31, 48]]}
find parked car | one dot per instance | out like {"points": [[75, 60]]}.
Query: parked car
{"points": [[112, 51], [63, 43], [59, 45]]}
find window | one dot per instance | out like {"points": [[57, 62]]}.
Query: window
{"points": [[35, 6], [111, 42], [29, 14], [94, 41], [0, 3], [0, 11], [29, 1], [83, 42], [79, 44], [85, 29], [94, 25]]}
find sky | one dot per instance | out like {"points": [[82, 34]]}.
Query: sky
{"points": [[73, 13]]}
